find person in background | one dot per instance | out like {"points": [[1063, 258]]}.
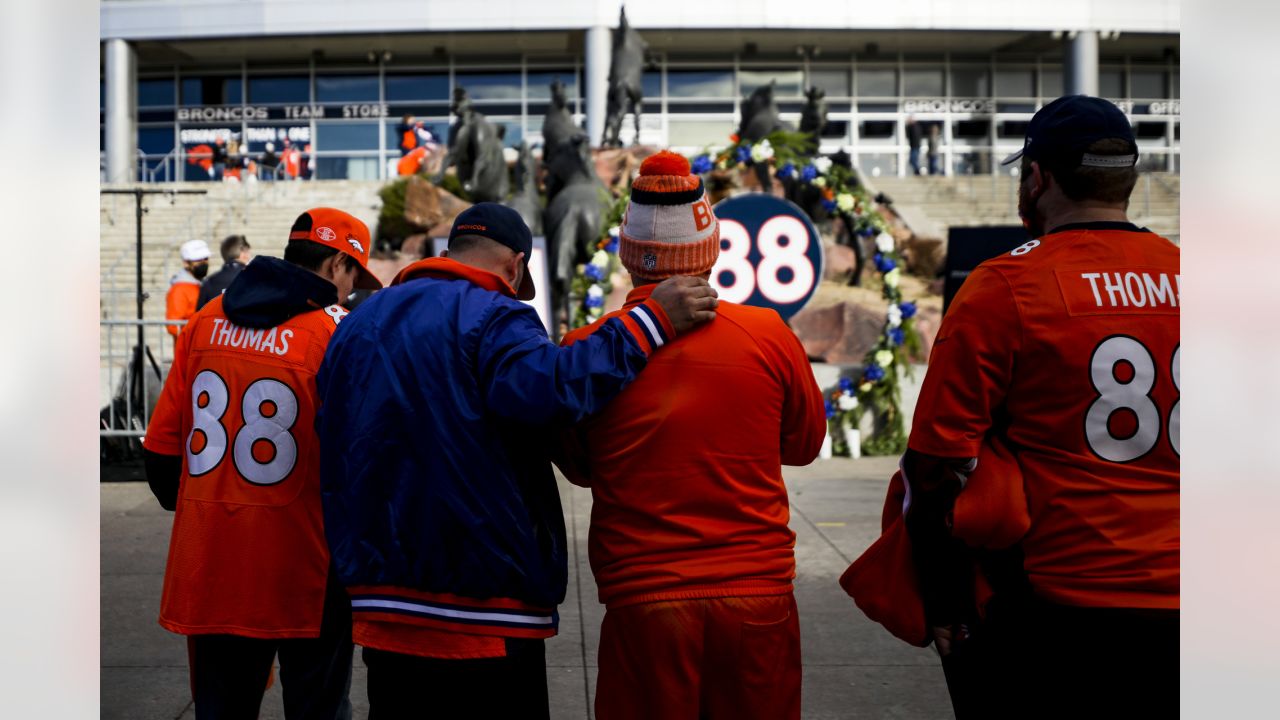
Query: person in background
{"points": [[235, 255], [219, 158], [184, 287], [291, 159], [689, 540], [935, 132], [269, 162], [914, 136]]}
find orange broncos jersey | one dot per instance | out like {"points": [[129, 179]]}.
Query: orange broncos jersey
{"points": [[1068, 348], [248, 554]]}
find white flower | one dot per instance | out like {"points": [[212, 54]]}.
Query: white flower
{"points": [[844, 201], [847, 402], [892, 277], [884, 358], [600, 259], [822, 164], [595, 291], [761, 151], [595, 312], [819, 182], [895, 316], [615, 231], [864, 387], [884, 242]]}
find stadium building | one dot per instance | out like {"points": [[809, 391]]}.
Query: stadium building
{"points": [[337, 76]]}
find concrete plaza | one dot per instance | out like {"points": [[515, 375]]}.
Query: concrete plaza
{"points": [[852, 667]]}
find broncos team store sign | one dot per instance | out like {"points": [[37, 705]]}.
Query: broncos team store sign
{"points": [[770, 254]]}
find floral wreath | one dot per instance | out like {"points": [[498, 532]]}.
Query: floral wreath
{"points": [[877, 388]]}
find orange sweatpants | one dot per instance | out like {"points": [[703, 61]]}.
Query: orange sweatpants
{"points": [[717, 658]]}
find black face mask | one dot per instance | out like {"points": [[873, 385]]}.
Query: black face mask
{"points": [[199, 271]]}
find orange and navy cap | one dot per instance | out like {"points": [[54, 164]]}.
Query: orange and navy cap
{"points": [[342, 232]]}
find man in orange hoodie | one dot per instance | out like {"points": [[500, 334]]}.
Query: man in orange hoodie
{"points": [[689, 540], [184, 287]]}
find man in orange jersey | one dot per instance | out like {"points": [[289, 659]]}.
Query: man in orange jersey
{"points": [[184, 287], [232, 446], [1067, 350], [689, 540]]}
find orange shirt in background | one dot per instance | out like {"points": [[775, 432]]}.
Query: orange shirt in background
{"points": [[685, 466], [181, 300]]}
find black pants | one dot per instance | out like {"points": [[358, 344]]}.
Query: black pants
{"points": [[229, 672], [408, 686], [1035, 659]]}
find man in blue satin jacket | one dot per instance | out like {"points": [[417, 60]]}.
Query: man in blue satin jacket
{"points": [[440, 398]]}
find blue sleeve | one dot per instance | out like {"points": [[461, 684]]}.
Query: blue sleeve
{"points": [[526, 377]]}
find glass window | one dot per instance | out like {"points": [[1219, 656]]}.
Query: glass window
{"points": [[1111, 83], [153, 93], [258, 136], [700, 83], [877, 164], [1150, 130], [1012, 129], [970, 82], [417, 87], [922, 83], [212, 91], [971, 130], [539, 84], [346, 88], [835, 82], [1051, 85], [1148, 84], [876, 129], [1015, 83], [155, 140], [490, 86], [347, 136], [651, 84], [346, 168], [698, 133], [1177, 84], [787, 83], [877, 82], [269, 89]]}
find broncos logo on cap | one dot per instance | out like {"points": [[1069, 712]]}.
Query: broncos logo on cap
{"points": [[356, 244]]}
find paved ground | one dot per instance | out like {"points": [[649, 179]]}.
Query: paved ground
{"points": [[852, 667]]}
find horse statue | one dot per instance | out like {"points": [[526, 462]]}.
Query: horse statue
{"points": [[558, 132], [813, 117], [572, 220], [525, 201], [625, 89], [475, 147], [759, 118]]}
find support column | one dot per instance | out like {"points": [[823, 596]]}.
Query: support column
{"points": [[598, 54], [122, 112], [1080, 66]]}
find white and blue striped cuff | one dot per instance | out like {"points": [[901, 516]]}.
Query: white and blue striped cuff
{"points": [[651, 326]]}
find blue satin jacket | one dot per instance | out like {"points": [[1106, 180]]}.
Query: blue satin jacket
{"points": [[439, 400]]}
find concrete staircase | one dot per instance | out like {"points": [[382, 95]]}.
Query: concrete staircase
{"points": [[931, 205], [262, 212]]}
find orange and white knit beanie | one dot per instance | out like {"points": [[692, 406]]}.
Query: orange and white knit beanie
{"points": [[669, 228]]}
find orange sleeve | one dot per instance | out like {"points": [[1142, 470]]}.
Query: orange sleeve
{"points": [[180, 304], [804, 417], [164, 430]]}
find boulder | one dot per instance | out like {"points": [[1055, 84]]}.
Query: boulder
{"points": [[840, 262], [925, 256], [428, 206], [416, 246], [841, 333]]}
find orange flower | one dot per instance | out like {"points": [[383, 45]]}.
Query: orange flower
{"points": [[829, 194], [733, 138]]}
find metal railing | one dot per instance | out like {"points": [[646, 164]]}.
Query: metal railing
{"points": [[131, 376]]}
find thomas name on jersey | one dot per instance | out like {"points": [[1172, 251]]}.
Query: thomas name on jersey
{"points": [[1129, 290], [229, 335]]}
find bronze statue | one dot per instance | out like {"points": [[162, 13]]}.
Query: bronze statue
{"points": [[759, 118], [625, 88], [558, 132], [475, 147], [525, 201], [813, 118], [572, 220]]}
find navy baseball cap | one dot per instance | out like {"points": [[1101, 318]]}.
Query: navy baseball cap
{"points": [[500, 224], [1061, 131]]}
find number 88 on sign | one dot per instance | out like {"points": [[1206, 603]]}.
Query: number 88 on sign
{"points": [[770, 254]]}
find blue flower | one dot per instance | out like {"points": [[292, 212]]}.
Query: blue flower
{"points": [[884, 264], [873, 372], [867, 231], [592, 302], [592, 272], [701, 164], [612, 247], [828, 205], [896, 336], [808, 173], [846, 384], [831, 409], [787, 170], [908, 310], [744, 153]]}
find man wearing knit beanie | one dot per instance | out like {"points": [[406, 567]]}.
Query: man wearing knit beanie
{"points": [[689, 540]]}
